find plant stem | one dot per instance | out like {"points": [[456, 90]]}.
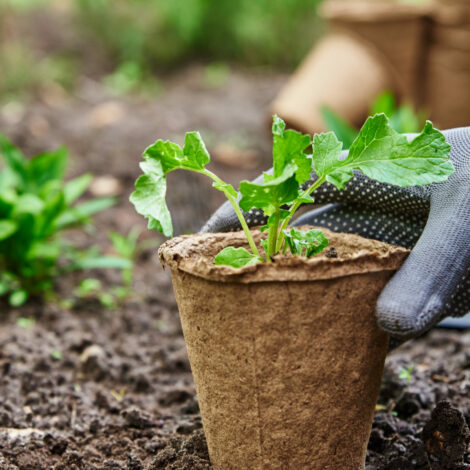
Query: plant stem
{"points": [[272, 237], [237, 210], [293, 209]]}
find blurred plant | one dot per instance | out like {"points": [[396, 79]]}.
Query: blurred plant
{"points": [[56, 354], [126, 247], [22, 5], [216, 74], [130, 77], [403, 118], [275, 32], [91, 288], [344, 131], [36, 206], [23, 73], [405, 374], [119, 396], [26, 322]]}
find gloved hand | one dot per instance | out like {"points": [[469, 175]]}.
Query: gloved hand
{"points": [[434, 221]]}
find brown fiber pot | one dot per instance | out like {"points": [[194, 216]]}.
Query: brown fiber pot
{"points": [[286, 356]]}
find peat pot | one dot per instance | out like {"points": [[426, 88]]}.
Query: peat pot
{"points": [[286, 356]]}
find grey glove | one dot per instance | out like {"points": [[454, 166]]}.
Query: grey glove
{"points": [[434, 221]]}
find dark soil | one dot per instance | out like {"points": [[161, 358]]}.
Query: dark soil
{"points": [[121, 396], [91, 388]]}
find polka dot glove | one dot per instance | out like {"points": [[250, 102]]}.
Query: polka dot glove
{"points": [[434, 221]]}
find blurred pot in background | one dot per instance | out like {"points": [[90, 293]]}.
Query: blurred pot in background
{"points": [[419, 51]]}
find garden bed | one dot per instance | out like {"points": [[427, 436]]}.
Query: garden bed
{"points": [[90, 388], [116, 400]]}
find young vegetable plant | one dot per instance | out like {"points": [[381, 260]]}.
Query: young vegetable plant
{"points": [[300, 166]]}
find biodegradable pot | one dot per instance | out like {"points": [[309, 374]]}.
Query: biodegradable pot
{"points": [[286, 356], [320, 81], [371, 47]]}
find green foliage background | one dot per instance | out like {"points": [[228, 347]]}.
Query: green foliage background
{"points": [[165, 32], [137, 39]]}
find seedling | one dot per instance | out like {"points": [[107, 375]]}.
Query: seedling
{"points": [[56, 354], [405, 374], [300, 166], [127, 248], [119, 396], [92, 288], [26, 322]]}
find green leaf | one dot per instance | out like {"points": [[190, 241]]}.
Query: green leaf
{"points": [[194, 155], [273, 193], [226, 188], [28, 204], [53, 208], [149, 197], [8, 180], [306, 243], [405, 374], [159, 159], [125, 246], [44, 250], [94, 205], [271, 222], [384, 103], [89, 285], [7, 228], [236, 257], [289, 148], [195, 151], [18, 297], [384, 155], [343, 130], [14, 160], [305, 199], [56, 354], [46, 167], [326, 152], [4, 287], [265, 245], [406, 120], [73, 189], [81, 212], [26, 322], [107, 300]]}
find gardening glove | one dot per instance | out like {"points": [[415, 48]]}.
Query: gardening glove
{"points": [[433, 221]]}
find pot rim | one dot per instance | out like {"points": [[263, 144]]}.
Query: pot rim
{"points": [[380, 12], [194, 254]]}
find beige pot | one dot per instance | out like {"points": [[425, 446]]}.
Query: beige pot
{"points": [[286, 357], [371, 47], [320, 81]]}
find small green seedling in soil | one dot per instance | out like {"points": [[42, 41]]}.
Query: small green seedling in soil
{"points": [[56, 354], [92, 288], [127, 248], [119, 396], [405, 374], [26, 322], [301, 164]]}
